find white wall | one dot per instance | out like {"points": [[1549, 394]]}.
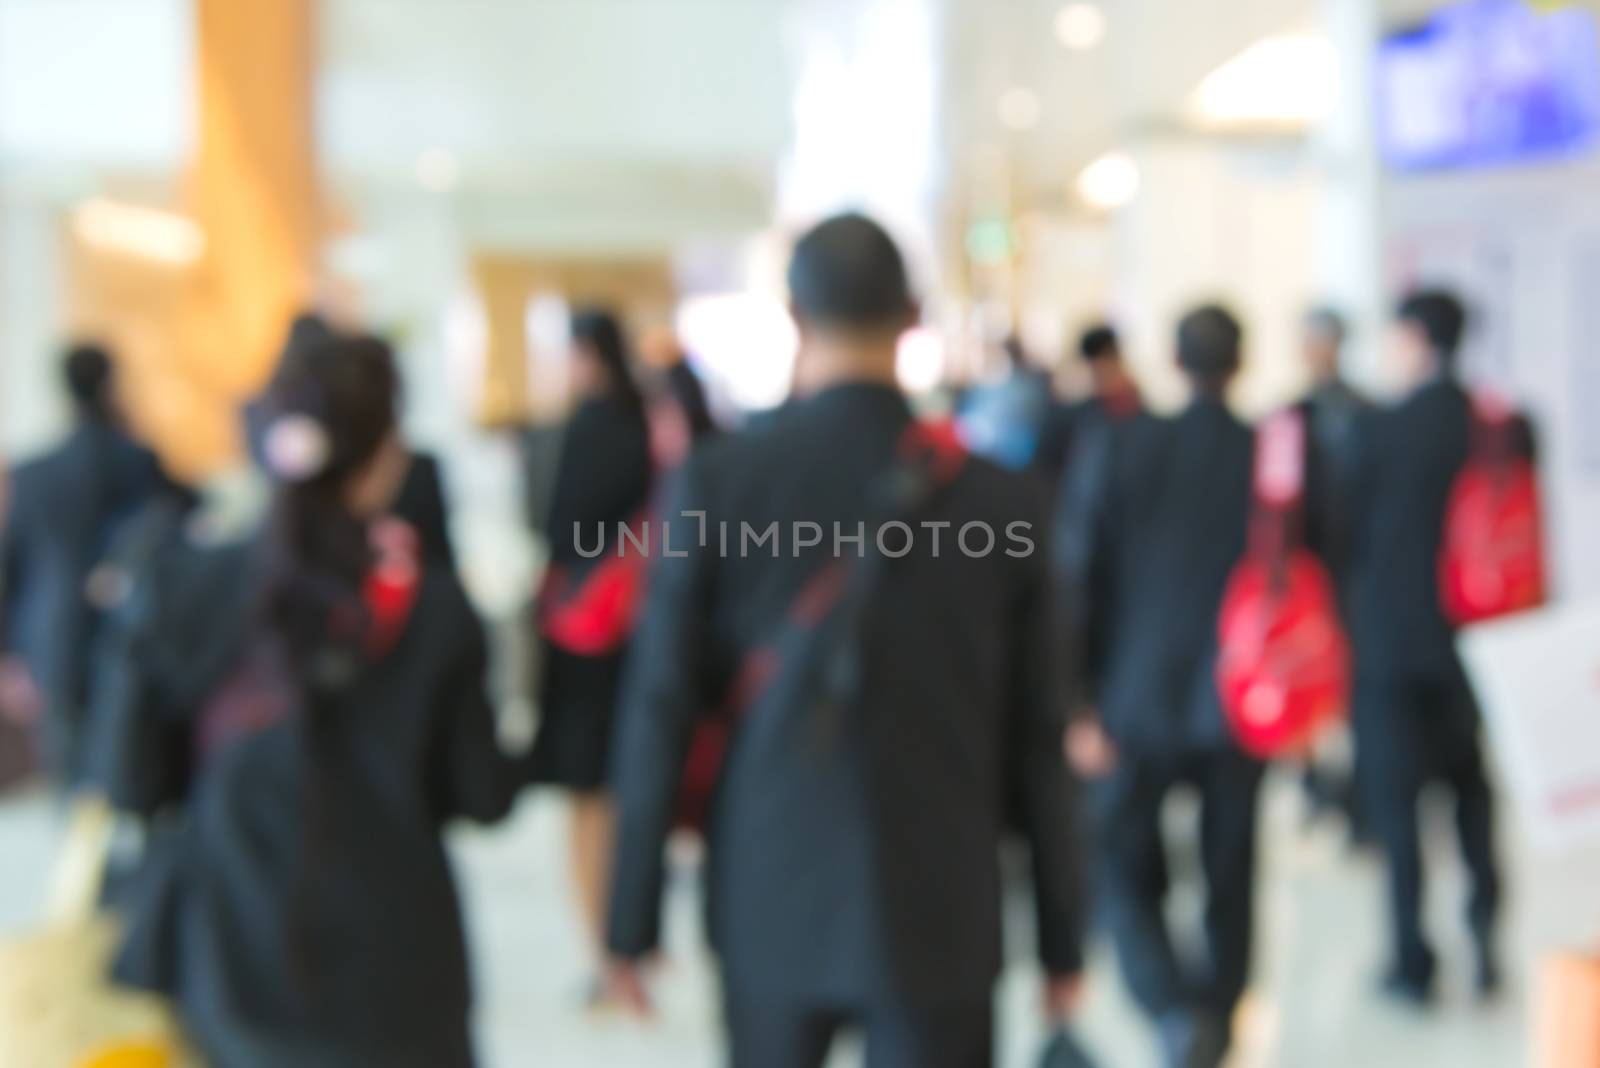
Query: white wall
{"points": [[1524, 246], [1217, 222]]}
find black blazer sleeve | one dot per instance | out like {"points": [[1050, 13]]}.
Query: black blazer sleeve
{"points": [[470, 777], [1081, 548], [1048, 792], [663, 696]]}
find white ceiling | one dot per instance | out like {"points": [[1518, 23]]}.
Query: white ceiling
{"points": [[611, 109]]}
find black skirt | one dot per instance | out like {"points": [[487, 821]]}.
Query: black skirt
{"points": [[577, 703]]}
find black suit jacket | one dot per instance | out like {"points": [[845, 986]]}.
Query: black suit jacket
{"points": [[1410, 457], [1155, 514], [853, 854], [304, 912], [62, 518]]}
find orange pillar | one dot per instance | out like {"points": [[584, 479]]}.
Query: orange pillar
{"points": [[253, 190]]}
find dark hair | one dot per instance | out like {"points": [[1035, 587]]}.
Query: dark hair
{"points": [[89, 375], [1099, 342], [312, 617], [683, 386], [1328, 321], [599, 331], [1209, 343], [847, 272], [1441, 317]]}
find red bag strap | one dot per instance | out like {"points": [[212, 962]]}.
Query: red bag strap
{"points": [[935, 450], [1278, 488]]}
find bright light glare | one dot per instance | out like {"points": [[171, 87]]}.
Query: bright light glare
{"points": [[920, 361], [744, 341], [1019, 108], [1080, 26], [131, 230], [437, 170], [1287, 80], [1110, 181]]}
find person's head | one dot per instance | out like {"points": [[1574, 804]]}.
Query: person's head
{"points": [[1101, 351], [1429, 327], [851, 299], [90, 379], [602, 363], [1210, 342], [1322, 337], [331, 447], [307, 329]]}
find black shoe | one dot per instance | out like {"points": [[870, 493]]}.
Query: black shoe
{"points": [[1407, 990]]}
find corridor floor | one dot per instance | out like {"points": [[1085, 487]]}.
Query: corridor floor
{"points": [[1312, 1006]]}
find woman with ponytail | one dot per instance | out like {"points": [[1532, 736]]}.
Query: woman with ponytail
{"points": [[602, 482], [307, 915]]}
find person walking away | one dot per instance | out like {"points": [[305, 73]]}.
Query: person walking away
{"points": [[602, 483], [1417, 721], [1333, 412], [65, 512], [1113, 394], [1153, 524], [303, 910], [882, 705]]}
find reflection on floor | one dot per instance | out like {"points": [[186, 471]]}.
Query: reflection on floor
{"points": [[1312, 1008]]}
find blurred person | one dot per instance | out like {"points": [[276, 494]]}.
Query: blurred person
{"points": [[680, 415], [1113, 394], [304, 912], [1001, 420], [602, 481], [1417, 721], [63, 517], [880, 710], [1333, 412], [1153, 523]]}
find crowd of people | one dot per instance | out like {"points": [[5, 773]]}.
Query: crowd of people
{"points": [[856, 650]]}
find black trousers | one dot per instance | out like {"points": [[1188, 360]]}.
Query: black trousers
{"points": [[1135, 881], [777, 1034], [1413, 734]]}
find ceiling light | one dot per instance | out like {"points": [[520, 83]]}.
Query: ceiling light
{"points": [[1289, 80], [437, 170], [1080, 26], [132, 230], [1110, 181], [1019, 108]]}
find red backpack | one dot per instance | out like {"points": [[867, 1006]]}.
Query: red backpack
{"points": [[1283, 664], [1491, 562]]}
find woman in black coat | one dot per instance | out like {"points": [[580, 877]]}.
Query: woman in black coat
{"points": [[305, 912], [602, 481]]}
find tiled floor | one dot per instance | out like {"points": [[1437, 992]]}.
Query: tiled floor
{"points": [[1312, 1007]]}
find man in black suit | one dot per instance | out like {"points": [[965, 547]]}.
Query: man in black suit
{"points": [[64, 513], [1154, 522], [853, 872], [1113, 395], [1333, 411], [1417, 720]]}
